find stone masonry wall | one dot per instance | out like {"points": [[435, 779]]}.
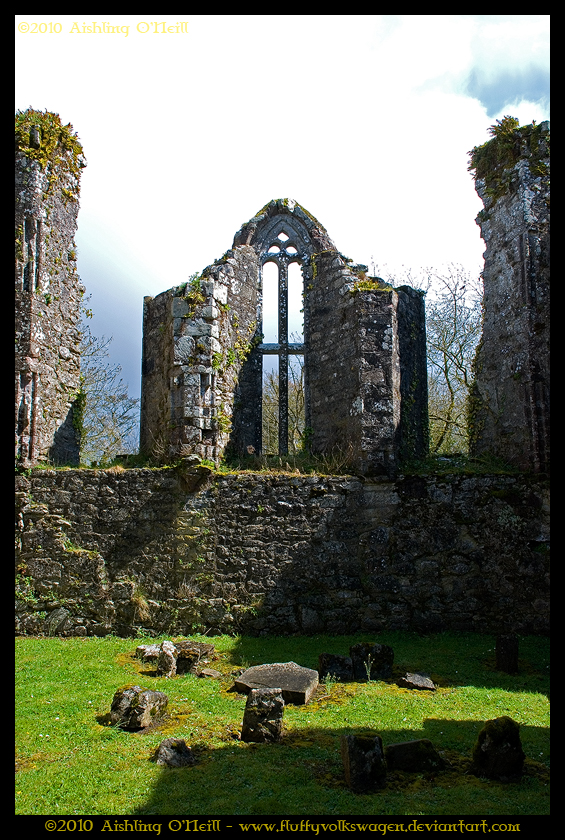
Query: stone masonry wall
{"points": [[364, 353], [196, 338], [49, 160], [174, 551], [510, 407], [367, 373]]}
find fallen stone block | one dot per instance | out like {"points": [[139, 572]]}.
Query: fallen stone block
{"points": [[209, 673], [167, 661], [498, 753], [363, 762], [414, 756], [263, 715], [188, 656], [420, 682], [297, 683], [173, 752], [136, 708], [147, 653], [337, 667], [371, 661]]}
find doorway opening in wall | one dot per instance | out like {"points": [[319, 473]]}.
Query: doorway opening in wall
{"points": [[283, 404]]}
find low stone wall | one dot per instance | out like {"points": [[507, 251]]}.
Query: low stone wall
{"points": [[116, 551]]}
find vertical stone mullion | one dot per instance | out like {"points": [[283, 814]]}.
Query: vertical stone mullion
{"points": [[283, 357], [283, 402]]}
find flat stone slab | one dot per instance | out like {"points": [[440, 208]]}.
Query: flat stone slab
{"points": [[420, 682], [209, 673], [297, 684]]}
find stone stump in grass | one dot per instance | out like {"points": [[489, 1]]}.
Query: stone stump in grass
{"points": [[135, 708], [263, 715], [167, 662], [498, 753], [363, 762], [148, 653], [371, 661], [190, 653], [337, 667], [419, 682], [173, 752]]}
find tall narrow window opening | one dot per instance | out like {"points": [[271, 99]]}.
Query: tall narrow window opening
{"points": [[283, 340]]}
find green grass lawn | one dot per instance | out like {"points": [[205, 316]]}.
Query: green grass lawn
{"points": [[70, 762]]}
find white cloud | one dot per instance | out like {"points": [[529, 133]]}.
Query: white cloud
{"points": [[365, 120]]}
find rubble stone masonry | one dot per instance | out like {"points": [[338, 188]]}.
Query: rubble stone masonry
{"points": [[49, 161], [510, 401], [114, 551]]}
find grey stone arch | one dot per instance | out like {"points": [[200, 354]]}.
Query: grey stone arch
{"points": [[295, 246], [309, 237]]}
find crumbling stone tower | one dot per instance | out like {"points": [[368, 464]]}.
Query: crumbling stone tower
{"points": [[49, 159], [509, 406], [364, 352]]}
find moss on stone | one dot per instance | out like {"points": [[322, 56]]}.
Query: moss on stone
{"points": [[493, 161], [56, 149]]}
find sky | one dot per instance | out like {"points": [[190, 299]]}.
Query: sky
{"points": [[191, 124]]}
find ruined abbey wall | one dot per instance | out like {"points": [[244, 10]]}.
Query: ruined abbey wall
{"points": [[367, 368], [364, 353], [181, 549], [510, 407], [48, 290], [196, 339], [103, 551]]}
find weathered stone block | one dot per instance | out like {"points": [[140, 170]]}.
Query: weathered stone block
{"points": [[338, 667], [173, 752], [136, 708], [371, 661], [363, 762], [263, 715], [498, 752], [297, 683], [190, 653], [421, 682], [148, 653], [167, 661]]}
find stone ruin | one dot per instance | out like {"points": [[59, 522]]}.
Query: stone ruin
{"points": [[510, 401], [363, 347], [375, 551], [49, 161], [497, 752], [363, 342]]}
